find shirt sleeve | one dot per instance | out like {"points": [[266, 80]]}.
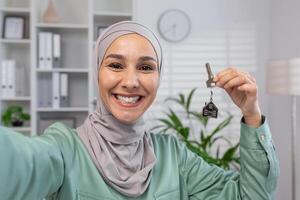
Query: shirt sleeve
{"points": [[31, 168], [256, 179]]}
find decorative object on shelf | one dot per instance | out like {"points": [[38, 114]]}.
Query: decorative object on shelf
{"points": [[50, 15], [283, 78], [13, 27], [174, 25], [208, 141], [14, 116]]}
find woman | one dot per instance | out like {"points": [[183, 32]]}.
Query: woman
{"points": [[112, 156]]}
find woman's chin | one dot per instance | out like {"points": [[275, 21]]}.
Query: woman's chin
{"points": [[127, 118]]}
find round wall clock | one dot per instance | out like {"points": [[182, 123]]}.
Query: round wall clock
{"points": [[174, 25]]}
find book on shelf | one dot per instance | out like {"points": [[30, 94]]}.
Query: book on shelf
{"points": [[49, 50], [8, 78]]}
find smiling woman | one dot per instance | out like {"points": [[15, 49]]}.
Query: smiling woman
{"points": [[129, 77], [113, 156]]}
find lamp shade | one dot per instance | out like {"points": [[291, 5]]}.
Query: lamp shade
{"points": [[283, 77]]}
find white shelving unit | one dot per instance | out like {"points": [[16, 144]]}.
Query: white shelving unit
{"points": [[77, 26], [20, 51]]}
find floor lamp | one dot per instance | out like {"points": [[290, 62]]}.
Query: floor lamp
{"points": [[283, 78]]}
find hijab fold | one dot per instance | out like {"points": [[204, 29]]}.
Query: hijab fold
{"points": [[122, 153]]}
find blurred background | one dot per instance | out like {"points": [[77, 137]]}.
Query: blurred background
{"points": [[46, 55]]}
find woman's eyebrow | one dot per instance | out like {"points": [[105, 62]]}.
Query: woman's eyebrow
{"points": [[117, 56], [147, 58]]}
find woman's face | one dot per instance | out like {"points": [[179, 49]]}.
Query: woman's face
{"points": [[128, 77]]}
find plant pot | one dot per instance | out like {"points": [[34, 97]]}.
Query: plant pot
{"points": [[17, 123]]}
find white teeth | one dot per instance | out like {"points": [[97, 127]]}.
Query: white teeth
{"points": [[128, 100]]}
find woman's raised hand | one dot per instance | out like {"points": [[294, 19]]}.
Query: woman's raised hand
{"points": [[242, 89]]}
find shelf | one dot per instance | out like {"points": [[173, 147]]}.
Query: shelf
{"points": [[78, 29], [65, 70], [16, 99], [113, 14], [70, 109], [21, 129], [62, 26], [15, 41], [15, 10]]}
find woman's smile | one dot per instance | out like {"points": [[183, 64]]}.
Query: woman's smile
{"points": [[128, 100]]}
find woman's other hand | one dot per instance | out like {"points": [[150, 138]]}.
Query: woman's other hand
{"points": [[242, 89]]}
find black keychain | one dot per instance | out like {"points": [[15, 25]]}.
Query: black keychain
{"points": [[210, 109]]}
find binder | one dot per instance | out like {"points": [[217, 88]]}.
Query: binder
{"points": [[48, 91], [49, 49], [41, 92], [56, 50], [4, 83], [42, 50], [11, 78], [55, 90], [64, 98]]}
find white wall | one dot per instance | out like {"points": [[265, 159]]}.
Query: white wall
{"points": [[285, 43], [277, 36]]}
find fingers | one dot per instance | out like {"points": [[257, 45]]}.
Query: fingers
{"points": [[249, 88], [231, 77]]}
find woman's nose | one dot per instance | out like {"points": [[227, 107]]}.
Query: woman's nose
{"points": [[130, 80]]}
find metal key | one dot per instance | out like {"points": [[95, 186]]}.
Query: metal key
{"points": [[209, 83]]}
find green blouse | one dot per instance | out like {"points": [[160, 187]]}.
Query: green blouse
{"points": [[57, 165]]}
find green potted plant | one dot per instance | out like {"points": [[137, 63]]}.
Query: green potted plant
{"points": [[208, 140], [14, 116]]}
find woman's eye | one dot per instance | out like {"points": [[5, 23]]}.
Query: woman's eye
{"points": [[146, 68], [115, 66]]}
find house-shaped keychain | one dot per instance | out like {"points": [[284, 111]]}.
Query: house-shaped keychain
{"points": [[210, 110]]}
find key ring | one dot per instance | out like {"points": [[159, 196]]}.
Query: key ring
{"points": [[211, 94]]}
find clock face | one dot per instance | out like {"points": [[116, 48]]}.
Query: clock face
{"points": [[174, 25]]}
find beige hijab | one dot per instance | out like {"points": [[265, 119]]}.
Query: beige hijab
{"points": [[123, 153]]}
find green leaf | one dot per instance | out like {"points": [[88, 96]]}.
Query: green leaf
{"points": [[222, 125], [200, 118], [189, 99], [175, 119], [182, 99], [185, 132], [229, 154], [218, 152], [167, 123], [223, 138]]}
